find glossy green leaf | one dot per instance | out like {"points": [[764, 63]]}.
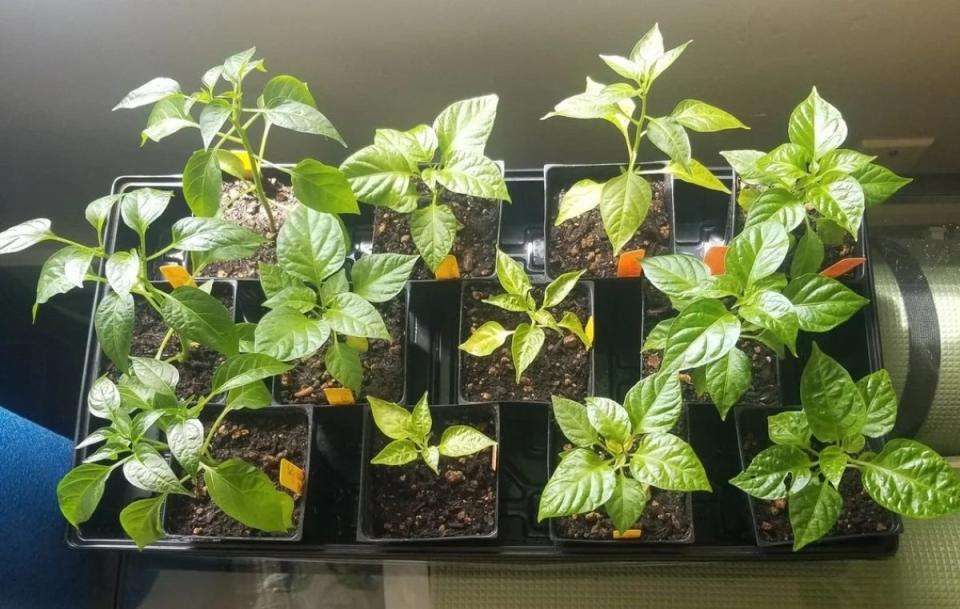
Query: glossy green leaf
{"points": [[465, 126], [474, 175], [141, 522], [696, 173], [878, 183], [525, 346], [744, 162], [463, 440], [252, 396], [571, 322], [380, 277], [610, 419], [700, 116], [246, 494], [757, 252], [397, 452], [728, 379], [670, 137], [511, 275], [573, 421], [166, 118], [80, 490], [677, 275], [773, 312], [787, 163], [418, 144], [813, 512], [349, 314], [434, 230], [200, 317], [665, 461], [122, 271], [185, 439], [789, 428], [558, 289], [655, 403], [649, 48], [833, 403], [421, 422], [310, 245], [141, 207], [843, 160], [149, 471], [20, 237], [777, 205], [486, 339], [817, 126], [114, 322], [64, 270], [284, 88], [343, 363], [913, 480], [303, 118], [287, 334], [323, 188], [832, 463], [244, 369], [822, 303], [656, 339], [97, 212], [627, 503], [841, 200], [203, 234], [702, 333], [153, 91], [807, 256], [766, 476], [212, 118], [624, 203], [582, 482], [881, 400], [393, 420], [378, 175]]}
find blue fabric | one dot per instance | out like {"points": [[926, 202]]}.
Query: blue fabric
{"points": [[37, 569]]}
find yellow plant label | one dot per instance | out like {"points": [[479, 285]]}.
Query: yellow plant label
{"points": [[588, 330], [628, 534], [245, 162], [339, 396], [177, 276], [291, 476], [448, 268]]}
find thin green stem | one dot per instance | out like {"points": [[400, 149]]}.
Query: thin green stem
{"points": [[255, 167], [161, 252], [163, 343], [639, 130], [213, 430]]}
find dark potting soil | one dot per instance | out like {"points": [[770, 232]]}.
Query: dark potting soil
{"points": [[196, 374], [474, 247], [238, 203], [581, 242], [261, 439], [411, 501], [665, 518], [561, 368], [383, 365], [849, 248]]}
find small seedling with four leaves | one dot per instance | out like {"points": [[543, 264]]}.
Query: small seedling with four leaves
{"points": [[625, 200], [815, 446], [446, 156], [410, 433], [528, 337], [619, 452]]}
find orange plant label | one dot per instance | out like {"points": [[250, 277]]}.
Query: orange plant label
{"points": [[628, 534], [448, 268], [291, 476], [177, 276], [842, 267], [716, 259], [339, 396], [628, 264]]}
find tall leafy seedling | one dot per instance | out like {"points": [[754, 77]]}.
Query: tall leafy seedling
{"points": [[625, 200], [447, 156], [226, 118]]}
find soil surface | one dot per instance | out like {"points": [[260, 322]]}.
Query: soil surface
{"points": [[664, 519], [848, 249], [581, 243], [561, 368], [411, 501], [239, 204], [196, 374], [475, 246], [383, 365], [261, 439]]}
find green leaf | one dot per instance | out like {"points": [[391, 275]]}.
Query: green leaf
{"points": [[244, 369], [474, 175], [627, 503], [654, 403], [813, 512], [787, 162], [418, 144], [140, 520], [832, 463], [573, 421], [582, 482], [122, 271], [558, 289], [380, 277], [777, 205], [463, 440], [822, 303], [669, 136], [96, 213], [817, 126], [274, 279], [379, 175], [912, 479], [609, 419], [808, 255], [421, 422], [486, 339], [349, 314], [624, 67], [185, 439], [139, 208], [114, 321], [343, 363], [511, 275], [203, 234], [656, 339], [166, 118], [525, 346], [578, 200], [843, 160], [511, 302], [79, 492], [841, 200], [288, 334], [744, 162], [61, 272], [246, 494], [878, 183], [789, 428], [702, 333], [155, 375], [571, 322], [649, 48], [397, 452], [665, 461], [757, 252], [465, 126], [610, 103], [300, 117], [765, 477], [728, 379], [697, 174], [774, 312], [666, 60], [881, 400], [323, 188], [310, 245], [20, 237], [830, 232], [212, 118], [147, 470], [434, 230], [298, 297], [393, 420], [155, 90], [699, 116], [624, 203], [252, 396], [833, 403], [284, 88], [677, 275], [200, 317]]}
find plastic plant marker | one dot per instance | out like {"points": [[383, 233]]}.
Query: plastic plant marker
{"points": [[716, 258], [291, 476], [177, 276], [359, 343], [588, 329], [339, 396], [628, 534], [448, 268], [842, 267], [628, 264], [494, 456], [244, 162]]}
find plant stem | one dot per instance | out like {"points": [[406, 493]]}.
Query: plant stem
{"points": [[254, 160], [163, 343], [639, 130], [213, 430]]}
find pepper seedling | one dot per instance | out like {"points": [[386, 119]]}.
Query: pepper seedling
{"points": [[410, 433], [812, 181], [625, 199], [528, 337], [144, 401], [619, 452], [312, 302], [814, 447], [284, 101], [446, 156], [751, 301]]}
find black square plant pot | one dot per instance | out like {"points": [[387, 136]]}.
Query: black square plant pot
{"points": [[559, 178], [407, 324], [368, 529], [556, 441], [752, 437], [287, 414], [506, 393]]}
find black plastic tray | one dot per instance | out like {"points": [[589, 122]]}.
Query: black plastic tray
{"points": [[722, 521]]}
